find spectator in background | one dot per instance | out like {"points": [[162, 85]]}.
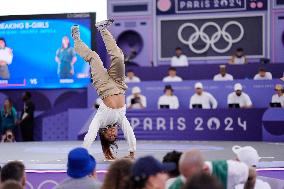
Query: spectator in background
{"points": [[27, 117], [202, 99], [14, 170], [8, 116], [179, 59], [250, 157], [203, 181], [11, 184], [190, 163], [239, 57], [6, 57], [263, 75], [66, 58], [172, 76], [149, 173], [81, 169], [136, 100], [229, 172], [239, 97], [131, 78], [279, 96], [118, 175], [172, 157], [168, 100], [223, 75]]}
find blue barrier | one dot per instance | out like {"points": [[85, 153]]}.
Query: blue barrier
{"points": [[219, 124]]}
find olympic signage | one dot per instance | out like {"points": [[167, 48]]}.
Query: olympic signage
{"points": [[171, 7], [204, 37], [220, 124], [187, 6]]}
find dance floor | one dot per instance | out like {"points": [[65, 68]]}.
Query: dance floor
{"points": [[51, 157]]}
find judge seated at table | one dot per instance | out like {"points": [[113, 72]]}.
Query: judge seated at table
{"points": [[202, 99], [136, 100], [263, 75], [168, 100], [223, 75], [238, 98], [278, 98]]}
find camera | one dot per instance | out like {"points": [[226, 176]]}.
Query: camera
{"points": [[135, 100]]}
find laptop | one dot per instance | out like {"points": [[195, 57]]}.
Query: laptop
{"points": [[275, 105], [197, 106], [164, 106], [235, 105]]}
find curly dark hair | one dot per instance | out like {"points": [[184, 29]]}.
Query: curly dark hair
{"points": [[108, 146], [173, 157], [118, 174]]}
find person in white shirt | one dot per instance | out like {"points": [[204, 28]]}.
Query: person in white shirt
{"points": [[168, 99], [279, 96], [250, 157], [223, 75], [192, 163], [239, 57], [205, 99], [239, 97], [179, 60], [136, 100], [263, 75], [6, 57], [131, 78], [172, 76]]}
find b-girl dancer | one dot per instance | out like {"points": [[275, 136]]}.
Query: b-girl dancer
{"points": [[111, 87]]}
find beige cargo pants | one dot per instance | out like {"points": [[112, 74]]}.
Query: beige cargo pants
{"points": [[107, 82]]}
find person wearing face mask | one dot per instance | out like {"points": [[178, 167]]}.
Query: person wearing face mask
{"points": [[66, 58], [239, 57], [239, 97], [6, 57]]}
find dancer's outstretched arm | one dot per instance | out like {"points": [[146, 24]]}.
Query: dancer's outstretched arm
{"points": [[92, 132], [128, 135]]}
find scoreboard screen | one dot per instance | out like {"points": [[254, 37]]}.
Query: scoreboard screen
{"points": [[37, 51]]}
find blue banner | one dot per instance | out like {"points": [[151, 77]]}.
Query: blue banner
{"points": [[220, 124]]}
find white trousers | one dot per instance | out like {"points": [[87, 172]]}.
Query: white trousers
{"points": [[108, 116]]}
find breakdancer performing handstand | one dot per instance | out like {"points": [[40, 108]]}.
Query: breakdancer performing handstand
{"points": [[110, 86]]}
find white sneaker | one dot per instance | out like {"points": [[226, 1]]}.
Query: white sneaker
{"points": [[104, 24], [75, 32]]}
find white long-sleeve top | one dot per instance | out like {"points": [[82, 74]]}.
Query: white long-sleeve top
{"points": [[206, 99], [278, 99], [6, 55], [172, 101], [243, 100]]}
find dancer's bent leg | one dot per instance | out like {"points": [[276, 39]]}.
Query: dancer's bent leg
{"points": [[117, 67], [99, 73]]}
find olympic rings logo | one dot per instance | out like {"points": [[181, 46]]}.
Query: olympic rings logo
{"points": [[210, 41], [40, 186]]}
